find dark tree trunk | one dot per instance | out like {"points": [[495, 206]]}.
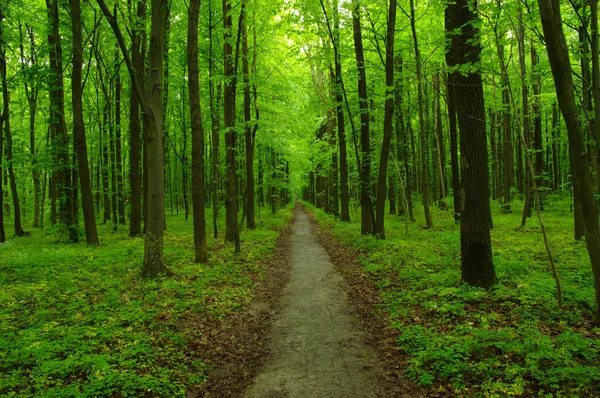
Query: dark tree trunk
{"points": [[118, 150], [558, 55], [197, 134], [555, 154], [135, 129], [9, 141], [248, 130], [232, 233], [388, 123], [477, 268], [421, 104], [341, 123], [63, 187], [87, 200], [215, 113], [366, 205], [31, 91]]}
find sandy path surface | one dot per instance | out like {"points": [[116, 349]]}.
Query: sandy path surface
{"points": [[317, 348]]}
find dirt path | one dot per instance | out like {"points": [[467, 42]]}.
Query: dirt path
{"points": [[317, 347]]}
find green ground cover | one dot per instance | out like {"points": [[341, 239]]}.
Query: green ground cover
{"points": [[79, 321], [510, 340]]}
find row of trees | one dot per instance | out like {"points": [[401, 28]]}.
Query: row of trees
{"points": [[113, 159], [444, 103]]}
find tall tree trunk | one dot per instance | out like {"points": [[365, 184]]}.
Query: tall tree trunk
{"points": [[366, 205], [9, 141], [388, 123], [341, 123], [477, 267], [87, 200], [439, 137], [31, 93], [421, 104], [248, 130], [451, 94], [57, 116], [525, 114], [560, 64], [232, 233], [135, 129], [197, 134], [118, 150], [555, 154], [215, 113]]}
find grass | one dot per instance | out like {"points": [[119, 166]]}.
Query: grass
{"points": [[509, 340], [79, 321]]}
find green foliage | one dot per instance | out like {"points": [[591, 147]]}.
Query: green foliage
{"points": [[509, 340], [79, 321]]}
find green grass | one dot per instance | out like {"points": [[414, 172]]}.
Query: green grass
{"points": [[79, 321], [509, 340]]}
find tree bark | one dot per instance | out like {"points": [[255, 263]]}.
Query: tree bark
{"points": [[248, 130], [87, 200], [558, 55], [366, 205], [232, 233], [63, 187], [388, 123], [198, 188], [135, 129], [421, 104], [477, 268]]}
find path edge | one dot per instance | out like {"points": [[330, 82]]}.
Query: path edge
{"points": [[369, 311]]}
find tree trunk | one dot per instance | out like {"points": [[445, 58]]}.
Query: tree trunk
{"points": [[87, 200], [118, 151], [366, 205], [135, 129], [525, 115], [9, 142], [248, 131], [388, 123], [215, 113], [558, 55], [197, 134], [477, 268], [57, 116], [232, 233], [421, 104]]}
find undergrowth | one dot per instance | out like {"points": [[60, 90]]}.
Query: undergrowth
{"points": [[509, 340], [80, 321]]}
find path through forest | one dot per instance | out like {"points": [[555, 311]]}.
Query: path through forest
{"points": [[317, 348]]}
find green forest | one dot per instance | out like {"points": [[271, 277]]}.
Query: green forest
{"points": [[299, 198]]}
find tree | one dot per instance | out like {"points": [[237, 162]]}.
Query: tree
{"points": [[232, 233], [366, 204], [152, 108], [560, 64], [388, 123], [198, 187], [477, 267], [87, 200], [421, 105], [62, 177]]}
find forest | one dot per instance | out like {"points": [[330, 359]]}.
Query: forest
{"points": [[181, 182]]}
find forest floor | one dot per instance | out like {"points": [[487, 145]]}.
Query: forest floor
{"points": [[455, 340], [318, 346]]}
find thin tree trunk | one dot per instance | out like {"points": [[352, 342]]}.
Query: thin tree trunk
{"points": [[232, 233], [57, 117], [87, 200], [248, 131], [366, 204], [135, 129], [118, 151], [421, 104], [197, 135], [388, 123]]}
